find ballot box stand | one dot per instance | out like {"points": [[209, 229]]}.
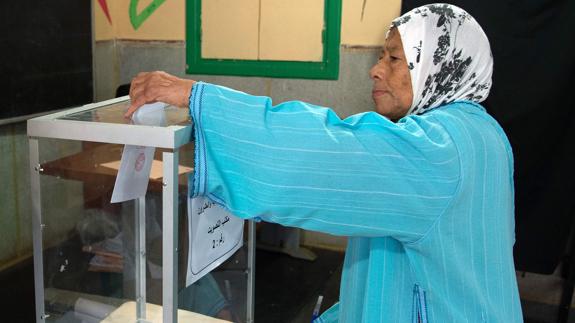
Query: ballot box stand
{"points": [[74, 158]]}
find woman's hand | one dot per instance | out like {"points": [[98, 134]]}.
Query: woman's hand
{"points": [[151, 87]]}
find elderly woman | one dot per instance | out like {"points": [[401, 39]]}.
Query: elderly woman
{"points": [[422, 187]]}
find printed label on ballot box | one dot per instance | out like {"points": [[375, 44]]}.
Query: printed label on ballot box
{"points": [[215, 235]]}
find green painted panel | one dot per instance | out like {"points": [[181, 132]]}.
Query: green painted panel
{"points": [[328, 68]]}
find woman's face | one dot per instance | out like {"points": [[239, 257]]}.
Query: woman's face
{"points": [[392, 92]]}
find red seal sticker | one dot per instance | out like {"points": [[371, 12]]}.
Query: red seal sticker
{"points": [[140, 162]]}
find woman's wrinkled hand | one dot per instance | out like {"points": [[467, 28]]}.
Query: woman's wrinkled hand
{"points": [[149, 87]]}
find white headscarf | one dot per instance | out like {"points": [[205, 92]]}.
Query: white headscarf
{"points": [[448, 56]]}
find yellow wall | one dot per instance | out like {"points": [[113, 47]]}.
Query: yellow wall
{"points": [[168, 23], [370, 29], [103, 30], [238, 36], [263, 29], [291, 30]]}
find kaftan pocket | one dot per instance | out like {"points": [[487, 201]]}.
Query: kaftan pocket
{"points": [[419, 305]]}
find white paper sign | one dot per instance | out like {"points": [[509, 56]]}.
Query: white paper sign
{"points": [[215, 235]]}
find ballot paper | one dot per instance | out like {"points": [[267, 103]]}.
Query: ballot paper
{"points": [[214, 235], [152, 114], [136, 162], [134, 173]]}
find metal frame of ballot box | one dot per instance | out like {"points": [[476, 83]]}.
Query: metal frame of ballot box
{"points": [[171, 138]]}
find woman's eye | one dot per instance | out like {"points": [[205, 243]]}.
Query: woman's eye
{"points": [[393, 58]]}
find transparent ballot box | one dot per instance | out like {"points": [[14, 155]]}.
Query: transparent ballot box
{"points": [[133, 259]]}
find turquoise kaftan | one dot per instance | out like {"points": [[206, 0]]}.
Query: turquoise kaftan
{"points": [[427, 202]]}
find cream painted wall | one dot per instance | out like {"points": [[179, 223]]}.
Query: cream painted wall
{"points": [[238, 36], [291, 30], [368, 29], [103, 30], [168, 21], [263, 29]]}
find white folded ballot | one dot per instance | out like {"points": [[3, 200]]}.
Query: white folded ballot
{"points": [[136, 162]]}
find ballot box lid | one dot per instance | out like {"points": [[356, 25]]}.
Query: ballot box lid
{"points": [[105, 122]]}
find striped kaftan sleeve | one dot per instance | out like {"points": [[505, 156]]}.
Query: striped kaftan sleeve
{"points": [[300, 165]]}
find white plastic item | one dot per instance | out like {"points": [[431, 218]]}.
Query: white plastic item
{"points": [[151, 114]]}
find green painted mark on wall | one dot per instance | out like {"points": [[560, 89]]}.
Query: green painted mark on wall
{"points": [[137, 19]]}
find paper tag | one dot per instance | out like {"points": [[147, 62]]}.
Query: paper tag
{"points": [[134, 173], [215, 235]]}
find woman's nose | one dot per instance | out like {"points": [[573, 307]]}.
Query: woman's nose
{"points": [[376, 72]]}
